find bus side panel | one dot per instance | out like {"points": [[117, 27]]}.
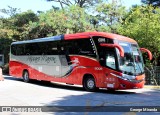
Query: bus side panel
{"points": [[15, 68], [39, 75], [84, 65], [110, 80], [79, 66]]}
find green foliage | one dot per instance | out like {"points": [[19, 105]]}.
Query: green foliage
{"points": [[24, 18], [15, 27], [6, 28], [55, 22], [10, 11], [4, 47], [28, 25], [77, 20], [79, 3], [110, 16], [142, 24]]}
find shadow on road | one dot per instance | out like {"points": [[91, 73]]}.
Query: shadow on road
{"points": [[67, 87], [12, 78]]}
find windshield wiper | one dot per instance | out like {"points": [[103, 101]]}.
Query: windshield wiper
{"points": [[128, 73], [139, 68], [134, 63]]}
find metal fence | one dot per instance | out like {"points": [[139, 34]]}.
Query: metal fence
{"points": [[153, 75]]}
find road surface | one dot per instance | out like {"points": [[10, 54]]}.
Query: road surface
{"points": [[14, 92]]}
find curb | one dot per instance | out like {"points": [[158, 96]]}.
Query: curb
{"points": [[151, 87]]}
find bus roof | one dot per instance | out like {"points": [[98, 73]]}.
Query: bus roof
{"points": [[79, 36], [102, 34], [52, 38]]}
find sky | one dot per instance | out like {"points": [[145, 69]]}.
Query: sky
{"points": [[43, 5]]}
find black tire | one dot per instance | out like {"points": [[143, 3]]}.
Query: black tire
{"points": [[89, 84], [26, 76], [110, 90], [46, 82]]}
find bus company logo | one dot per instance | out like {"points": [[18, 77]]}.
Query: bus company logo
{"points": [[37, 59], [74, 62], [34, 59], [48, 59]]}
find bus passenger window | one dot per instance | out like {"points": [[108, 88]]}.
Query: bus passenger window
{"points": [[110, 61], [13, 51], [20, 49]]}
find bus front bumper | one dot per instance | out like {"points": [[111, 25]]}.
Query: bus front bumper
{"points": [[134, 84]]}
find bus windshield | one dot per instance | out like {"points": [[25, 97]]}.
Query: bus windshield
{"points": [[132, 62]]}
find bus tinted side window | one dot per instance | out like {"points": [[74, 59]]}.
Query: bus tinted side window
{"points": [[32, 49], [20, 50], [77, 47], [65, 47], [13, 49], [41, 48], [86, 47], [48, 48], [51, 48]]}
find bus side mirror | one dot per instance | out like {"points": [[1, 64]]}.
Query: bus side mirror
{"points": [[149, 53], [114, 46]]}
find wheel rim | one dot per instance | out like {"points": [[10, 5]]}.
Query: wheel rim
{"points": [[90, 84], [25, 76]]}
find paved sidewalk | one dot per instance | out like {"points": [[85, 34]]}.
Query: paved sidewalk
{"points": [[152, 87]]}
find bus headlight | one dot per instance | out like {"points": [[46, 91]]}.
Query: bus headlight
{"points": [[125, 77], [129, 77]]}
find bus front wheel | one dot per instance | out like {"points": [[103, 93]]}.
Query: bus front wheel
{"points": [[89, 83], [25, 76]]}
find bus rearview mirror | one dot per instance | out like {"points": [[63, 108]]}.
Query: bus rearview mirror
{"points": [[114, 46], [149, 53]]}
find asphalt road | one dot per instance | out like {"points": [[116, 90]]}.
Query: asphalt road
{"points": [[15, 92]]}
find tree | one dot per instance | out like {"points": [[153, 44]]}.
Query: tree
{"points": [[142, 24], [6, 24], [109, 16], [54, 22], [80, 3], [5, 48], [77, 20], [10, 11], [151, 2]]}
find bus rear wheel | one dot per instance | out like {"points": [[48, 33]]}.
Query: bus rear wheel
{"points": [[26, 76], [89, 84]]}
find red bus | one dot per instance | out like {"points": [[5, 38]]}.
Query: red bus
{"points": [[91, 59]]}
